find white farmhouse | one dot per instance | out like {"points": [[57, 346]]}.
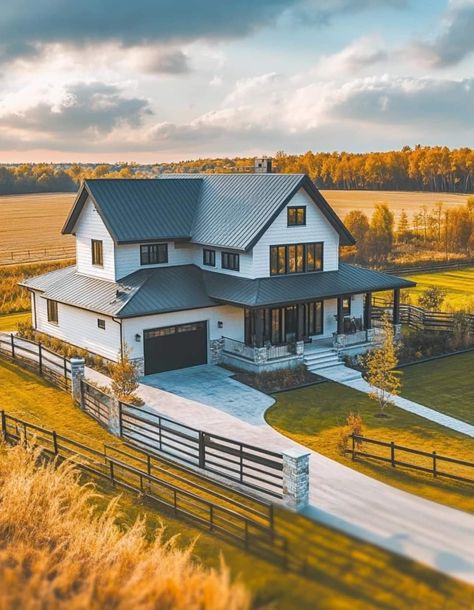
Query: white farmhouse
{"points": [[193, 269]]}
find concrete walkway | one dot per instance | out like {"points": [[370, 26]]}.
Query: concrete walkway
{"points": [[350, 378], [436, 535]]}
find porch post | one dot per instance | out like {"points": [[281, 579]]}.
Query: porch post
{"points": [[300, 321], [396, 306], [368, 311], [340, 316], [258, 327]]}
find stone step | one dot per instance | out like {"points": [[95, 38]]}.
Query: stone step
{"points": [[339, 373]]}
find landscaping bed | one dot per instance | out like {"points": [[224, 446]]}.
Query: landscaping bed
{"points": [[278, 381]]}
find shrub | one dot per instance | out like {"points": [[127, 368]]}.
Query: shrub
{"points": [[60, 552], [125, 376], [353, 425], [432, 298]]}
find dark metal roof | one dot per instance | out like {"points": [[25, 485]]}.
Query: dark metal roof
{"points": [[166, 289], [299, 287], [226, 210], [141, 210]]}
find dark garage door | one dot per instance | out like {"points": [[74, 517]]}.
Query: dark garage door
{"points": [[175, 347]]}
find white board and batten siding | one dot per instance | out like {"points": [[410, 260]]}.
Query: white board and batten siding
{"points": [[88, 227], [317, 229], [79, 327], [232, 319]]}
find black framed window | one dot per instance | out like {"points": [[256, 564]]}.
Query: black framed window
{"points": [[296, 258], [52, 307], [314, 318], [209, 258], [346, 306], [230, 260], [296, 216], [153, 254], [97, 251], [101, 323]]}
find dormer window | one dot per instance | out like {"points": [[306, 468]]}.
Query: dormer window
{"points": [[97, 251], [296, 216], [153, 254]]}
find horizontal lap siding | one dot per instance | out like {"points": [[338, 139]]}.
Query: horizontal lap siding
{"points": [[79, 327], [232, 318], [317, 229], [90, 226]]}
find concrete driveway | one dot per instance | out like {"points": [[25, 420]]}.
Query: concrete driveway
{"points": [[214, 386]]}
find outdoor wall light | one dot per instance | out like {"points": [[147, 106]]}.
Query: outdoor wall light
{"points": [[138, 338], [220, 324]]}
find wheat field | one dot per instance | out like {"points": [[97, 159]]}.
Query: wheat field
{"points": [[36, 220]]}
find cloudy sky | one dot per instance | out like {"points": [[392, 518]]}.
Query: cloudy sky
{"points": [[158, 80]]}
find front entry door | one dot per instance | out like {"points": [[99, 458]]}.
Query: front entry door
{"points": [[291, 323]]}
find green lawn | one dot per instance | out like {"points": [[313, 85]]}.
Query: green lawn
{"points": [[9, 321], [459, 285], [313, 416], [446, 384], [346, 573]]}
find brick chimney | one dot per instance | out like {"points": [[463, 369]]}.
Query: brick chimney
{"points": [[263, 165]]}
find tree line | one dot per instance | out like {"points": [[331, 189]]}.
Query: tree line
{"points": [[441, 230], [422, 168]]}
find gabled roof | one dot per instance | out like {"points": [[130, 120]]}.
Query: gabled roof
{"points": [[220, 210], [167, 289], [140, 210]]}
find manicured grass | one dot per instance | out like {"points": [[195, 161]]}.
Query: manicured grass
{"points": [[459, 285], [446, 384], [346, 573], [9, 322], [313, 416]]}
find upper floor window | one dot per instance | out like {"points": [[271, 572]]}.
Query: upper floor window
{"points": [[101, 323], [52, 307], [296, 216], [230, 260], [153, 254], [97, 250], [296, 258], [209, 258]]}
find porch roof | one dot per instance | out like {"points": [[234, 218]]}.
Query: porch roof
{"points": [[272, 291]]}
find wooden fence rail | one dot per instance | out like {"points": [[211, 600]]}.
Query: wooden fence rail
{"points": [[424, 461], [10, 257], [251, 528]]}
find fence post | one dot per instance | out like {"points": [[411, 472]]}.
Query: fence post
{"points": [[77, 375], [353, 446], [392, 453], [40, 359], [296, 478], [202, 450], [12, 340], [55, 442], [114, 416], [4, 426], [435, 474]]}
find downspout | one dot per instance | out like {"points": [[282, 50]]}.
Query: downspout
{"points": [[34, 309]]}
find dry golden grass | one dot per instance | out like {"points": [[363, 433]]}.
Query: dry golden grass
{"points": [[34, 220], [58, 551]]}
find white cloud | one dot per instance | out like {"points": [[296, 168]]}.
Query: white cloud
{"points": [[361, 54]]}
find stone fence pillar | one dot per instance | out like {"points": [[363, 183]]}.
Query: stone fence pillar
{"points": [[296, 478], [114, 416], [77, 374]]}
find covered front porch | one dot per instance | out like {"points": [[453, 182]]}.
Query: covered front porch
{"points": [[278, 336]]}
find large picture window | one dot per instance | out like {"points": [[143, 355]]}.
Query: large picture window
{"points": [[230, 260], [296, 258], [52, 307], [97, 251], [153, 254]]}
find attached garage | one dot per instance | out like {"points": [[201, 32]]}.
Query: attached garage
{"points": [[175, 347]]}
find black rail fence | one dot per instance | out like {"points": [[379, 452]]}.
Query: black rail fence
{"points": [[10, 257], [96, 403], [53, 367], [406, 457], [245, 521], [258, 469], [421, 319]]}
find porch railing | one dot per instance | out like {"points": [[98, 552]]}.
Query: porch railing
{"points": [[248, 352]]}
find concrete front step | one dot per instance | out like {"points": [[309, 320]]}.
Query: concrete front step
{"points": [[339, 373], [321, 359]]}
